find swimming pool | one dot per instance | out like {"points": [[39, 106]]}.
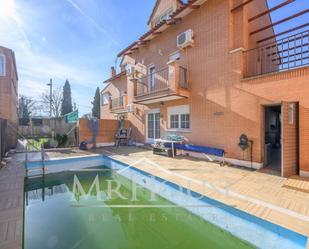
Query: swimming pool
{"points": [[58, 213]]}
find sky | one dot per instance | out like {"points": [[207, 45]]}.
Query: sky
{"points": [[76, 40], [79, 40]]}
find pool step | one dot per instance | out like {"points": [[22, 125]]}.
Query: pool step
{"points": [[41, 169]]}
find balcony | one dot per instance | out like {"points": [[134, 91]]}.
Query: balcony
{"points": [[119, 105], [284, 54], [170, 83]]}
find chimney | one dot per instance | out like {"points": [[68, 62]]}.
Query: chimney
{"points": [[113, 72]]}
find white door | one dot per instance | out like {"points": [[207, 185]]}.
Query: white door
{"points": [[153, 126]]}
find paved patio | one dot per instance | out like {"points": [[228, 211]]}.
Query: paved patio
{"points": [[11, 203], [279, 200]]}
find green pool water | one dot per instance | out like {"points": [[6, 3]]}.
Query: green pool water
{"points": [[57, 218]]}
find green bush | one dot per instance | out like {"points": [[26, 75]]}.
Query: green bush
{"points": [[61, 139], [36, 144]]}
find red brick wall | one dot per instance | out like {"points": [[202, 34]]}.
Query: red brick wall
{"points": [[8, 98], [217, 84], [8, 88], [117, 88], [304, 138], [290, 140]]}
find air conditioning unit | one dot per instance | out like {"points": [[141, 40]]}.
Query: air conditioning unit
{"points": [[130, 70], [185, 39]]}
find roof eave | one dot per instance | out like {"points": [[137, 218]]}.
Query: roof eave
{"points": [[115, 77], [148, 34]]}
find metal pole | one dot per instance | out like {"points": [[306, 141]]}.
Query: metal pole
{"points": [[51, 96], [26, 161], [42, 153], [43, 159]]}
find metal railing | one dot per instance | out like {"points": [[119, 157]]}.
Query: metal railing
{"points": [[118, 103], [284, 54], [160, 81], [152, 83], [27, 160]]}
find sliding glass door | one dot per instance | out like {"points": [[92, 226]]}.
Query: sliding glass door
{"points": [[153, 126]]}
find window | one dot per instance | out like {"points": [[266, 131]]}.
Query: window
{"points": [[185, 121], [179, 117], [105, 98], [174, 121], [2, 65]]}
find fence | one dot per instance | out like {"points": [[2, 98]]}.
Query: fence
{"points": [[3, 124], [106, 134], [47, 127]]}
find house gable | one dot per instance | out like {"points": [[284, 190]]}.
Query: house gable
{"points": [[161, 10]]}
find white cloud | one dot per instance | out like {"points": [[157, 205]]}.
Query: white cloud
{"points": [[36, 68]]}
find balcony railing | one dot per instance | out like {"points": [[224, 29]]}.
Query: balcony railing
{"points": [[153, 83], [166, 81], [284, 54], [118, 104]]}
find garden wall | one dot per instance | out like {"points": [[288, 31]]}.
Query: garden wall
{"points": [[107, 131], [46, 127]]}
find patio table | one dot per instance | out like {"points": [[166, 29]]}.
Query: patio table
{"points": [[172, 142]]}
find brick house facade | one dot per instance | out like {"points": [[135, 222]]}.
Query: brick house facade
{"points": [[9, 94], [219, 88]]}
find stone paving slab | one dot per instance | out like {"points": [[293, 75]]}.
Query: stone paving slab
{"points": [[11, 203]]}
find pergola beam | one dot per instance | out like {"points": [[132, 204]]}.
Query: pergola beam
{"points": [[280, 21], [284, 32], [271, 10]]}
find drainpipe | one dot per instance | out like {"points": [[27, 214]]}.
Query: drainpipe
{"points": [[251, 152]]}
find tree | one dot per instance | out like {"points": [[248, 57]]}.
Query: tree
{"points": [[66, 106], [26, 106], [56, 102], [96, 104]]}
